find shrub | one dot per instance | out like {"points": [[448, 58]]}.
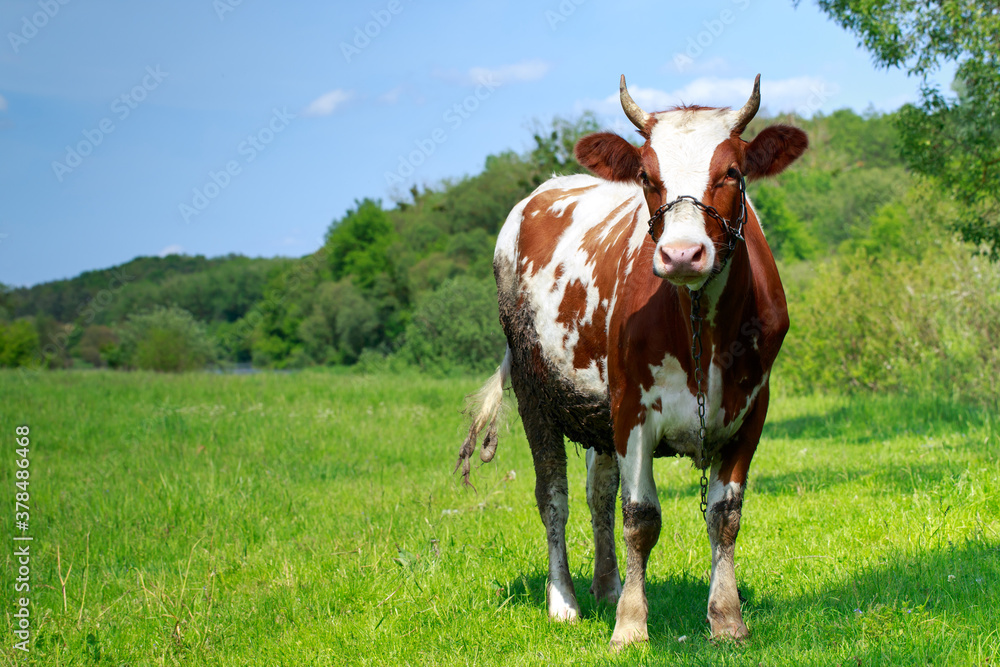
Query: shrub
{"points": [[926, 325], [164, 339], [18, 343], [456, 327]]}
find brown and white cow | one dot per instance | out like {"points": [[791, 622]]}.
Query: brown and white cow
{"points": [[597, 318]]}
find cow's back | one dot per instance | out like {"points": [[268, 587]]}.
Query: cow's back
{"points": [[560, 257]]}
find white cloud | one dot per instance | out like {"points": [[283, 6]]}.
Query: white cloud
{"points": [[804, 95], [717, 65], [327, 103], [392, 96], [3, 103], [526, 70], [173, 249]]}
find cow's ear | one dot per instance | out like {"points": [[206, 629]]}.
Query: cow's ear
{"points": [[609, 156], [773, 150]]}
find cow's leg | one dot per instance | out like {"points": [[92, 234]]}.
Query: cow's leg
{"points": [[551, 493], [641, 514], [602, 490], [725, 505]]}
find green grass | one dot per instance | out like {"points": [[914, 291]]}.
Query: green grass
{"points": [[312, 519]]}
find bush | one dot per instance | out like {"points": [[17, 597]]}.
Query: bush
{"points": [[165, 339], [456, 327], [928, 325], [18, 343]]}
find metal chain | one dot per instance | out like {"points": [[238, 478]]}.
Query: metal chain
{"points": [[696, 350], [734, 234]]}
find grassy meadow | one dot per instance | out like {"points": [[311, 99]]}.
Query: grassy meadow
{"points": [[312, 519]]}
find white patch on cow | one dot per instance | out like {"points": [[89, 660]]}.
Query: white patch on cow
{"points": [[684, 143], [559, 608], [546, 292], [717, 491], [636, 468], [677, 418]]}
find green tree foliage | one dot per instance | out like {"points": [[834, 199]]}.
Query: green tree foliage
{"points": [[954, 139], [358, 246], [18, 344], [928, 326], [95, 344], [786, 235], [342, 324], [164, 339], [456, 327]]}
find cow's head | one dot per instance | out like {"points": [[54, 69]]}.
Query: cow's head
{"points": [[693, 151]]}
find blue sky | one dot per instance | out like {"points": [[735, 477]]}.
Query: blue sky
{"points": [[217, 126]]}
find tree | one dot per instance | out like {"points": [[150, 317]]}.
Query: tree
{"points": [[785, 233], [954, 139], [164, 339], [456, 327], [18, 343], [358, 244]]}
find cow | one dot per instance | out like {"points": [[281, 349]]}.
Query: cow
{"points": [[633, 300]]}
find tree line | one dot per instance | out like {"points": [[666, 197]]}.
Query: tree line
{"points": [[411, 283]]}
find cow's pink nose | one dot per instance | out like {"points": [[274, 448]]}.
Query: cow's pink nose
{"points": [[683, 260]]}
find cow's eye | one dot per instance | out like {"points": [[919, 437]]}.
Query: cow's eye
{"points": [[644, 178], [733, 173]]}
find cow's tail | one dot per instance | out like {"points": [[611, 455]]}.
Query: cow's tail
{"points": [[484, 410]]}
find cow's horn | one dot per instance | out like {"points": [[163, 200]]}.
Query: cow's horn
{"points": [[749, 109], [634, 112]]}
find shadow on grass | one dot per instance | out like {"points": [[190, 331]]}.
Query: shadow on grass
{"points": [[863, 418], [677, 604], [872, 608]]}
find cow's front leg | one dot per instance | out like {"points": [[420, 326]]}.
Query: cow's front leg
{"points": [[641, 514], [725, 507], [602, 490], [725, 504]]}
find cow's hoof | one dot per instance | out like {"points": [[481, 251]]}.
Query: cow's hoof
{"points": [[562, 608], [622, 638], [564, 614], [607, 592], [730, 631]]}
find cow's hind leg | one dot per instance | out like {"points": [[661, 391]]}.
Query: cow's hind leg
{"points": [[602, 490], [551, 493]]}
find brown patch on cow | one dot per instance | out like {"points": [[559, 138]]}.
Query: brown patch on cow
{"points": [[573, 305], [592, 345], [737, 456], [541, 228]]}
